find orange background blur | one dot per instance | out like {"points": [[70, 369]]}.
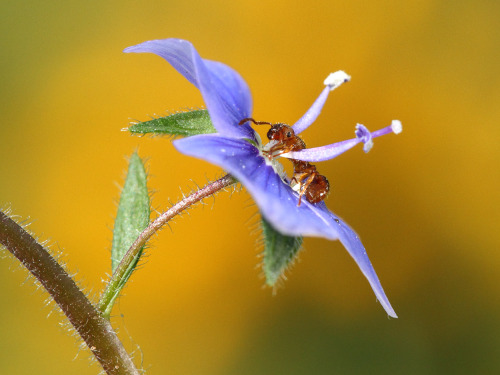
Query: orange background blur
{"points": [[426, 202]]}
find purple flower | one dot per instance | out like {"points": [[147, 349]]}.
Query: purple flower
{"points": [[238, 150]]}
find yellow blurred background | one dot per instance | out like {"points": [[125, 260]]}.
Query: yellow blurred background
{"points": [[425, 203]]}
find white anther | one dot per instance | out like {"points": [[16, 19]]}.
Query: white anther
{"points": [[334, 80], [368, 146], [396, 126]]}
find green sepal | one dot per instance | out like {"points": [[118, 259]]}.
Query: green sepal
{"points": [[279, 252], [188, 123]]}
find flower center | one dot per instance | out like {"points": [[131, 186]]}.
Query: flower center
{"points": [[272, 158], [306, 180]]}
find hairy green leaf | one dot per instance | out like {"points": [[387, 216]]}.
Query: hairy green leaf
{"points": [[133, 210], [279, 252], [178, 124], [132, 218]]}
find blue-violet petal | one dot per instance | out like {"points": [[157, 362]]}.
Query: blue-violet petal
{"points": [[226, 94], [277, 201]]}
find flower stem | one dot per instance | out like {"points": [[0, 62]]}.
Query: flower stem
{"points": [[112, 289], [94, 329]]}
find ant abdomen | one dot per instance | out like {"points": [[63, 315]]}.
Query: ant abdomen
{"points": [[318, 189]]}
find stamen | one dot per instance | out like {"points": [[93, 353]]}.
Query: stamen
{"points": [[364, 135], [331, 82], [396, 127], [334, 80], [328, 152]]}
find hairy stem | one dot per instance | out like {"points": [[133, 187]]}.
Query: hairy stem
{"points": [[94, 329], [109, 295]]}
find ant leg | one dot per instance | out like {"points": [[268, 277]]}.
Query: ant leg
{"points": [[255, 122], [277, 150], [271, 154], [299, 177], [306, 185], [284, 151]]}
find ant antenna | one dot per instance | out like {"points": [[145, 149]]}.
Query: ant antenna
{"points": [[255, 122]]}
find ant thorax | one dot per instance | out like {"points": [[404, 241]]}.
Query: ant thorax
{"points": [[306, 180]]}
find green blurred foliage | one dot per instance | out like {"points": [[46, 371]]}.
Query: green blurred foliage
{"points": [[425, 202]]}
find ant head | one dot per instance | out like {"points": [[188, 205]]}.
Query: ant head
{"points": [[280, 132]]}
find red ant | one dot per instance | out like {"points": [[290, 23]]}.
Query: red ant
{"points": [[283, 139]]}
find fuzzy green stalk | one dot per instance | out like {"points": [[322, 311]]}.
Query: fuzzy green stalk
{"points": [[92, 327]]}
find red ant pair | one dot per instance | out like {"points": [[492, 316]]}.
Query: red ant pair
{"points": [[314, 186]]}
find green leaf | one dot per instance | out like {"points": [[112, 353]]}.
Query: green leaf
{"points": [[132, 218], [133, 211], [279, 252], [185, 124]]}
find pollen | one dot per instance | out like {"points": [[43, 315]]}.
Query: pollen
{"points": [[334, 80], [396, 126]]}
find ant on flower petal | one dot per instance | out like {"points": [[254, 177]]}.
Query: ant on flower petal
{"points": [[306, 179]]}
